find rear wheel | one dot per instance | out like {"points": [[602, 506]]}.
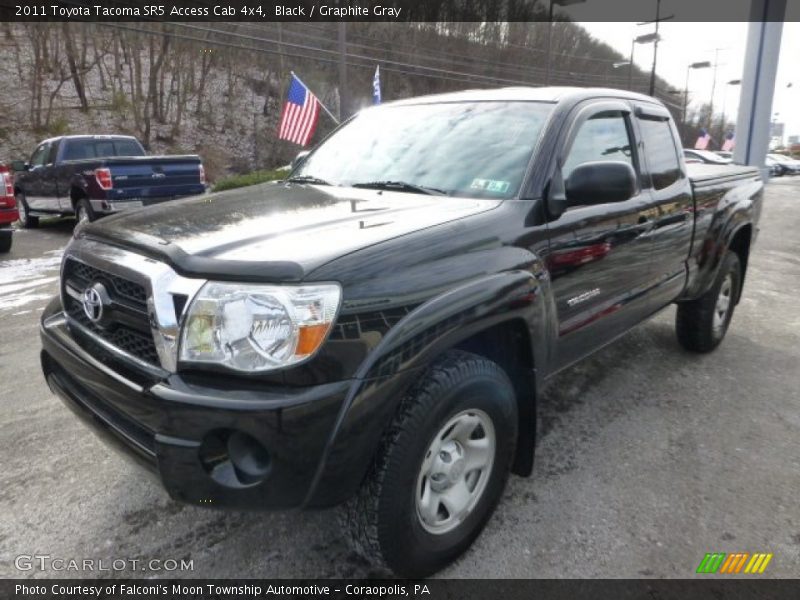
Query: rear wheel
{"points": [[440, 469], [84, 211], [702, 323], [25, 218]]}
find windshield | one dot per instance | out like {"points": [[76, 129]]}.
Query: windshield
{"points": [[464, 148]]}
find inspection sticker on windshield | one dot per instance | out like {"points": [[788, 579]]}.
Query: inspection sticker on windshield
{"points": [[490, 185]]}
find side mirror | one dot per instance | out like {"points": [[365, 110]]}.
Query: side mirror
{"points": [[19, 165], [600, 182], [299, 159]]}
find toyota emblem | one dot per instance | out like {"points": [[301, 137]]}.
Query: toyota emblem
{"points": [[95, 298]]}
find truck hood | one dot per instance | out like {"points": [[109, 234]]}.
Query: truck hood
{"points": [[276, 231]]}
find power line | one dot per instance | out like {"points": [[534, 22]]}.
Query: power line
{"points": [[586, 77]]}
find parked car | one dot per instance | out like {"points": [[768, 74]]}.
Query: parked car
{"points": [[93, 175], [8, 208], [374, 331], [705, 156], [775, 168], [788, 165]]}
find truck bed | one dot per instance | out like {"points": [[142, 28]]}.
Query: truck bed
{"points": [[702, 175]]}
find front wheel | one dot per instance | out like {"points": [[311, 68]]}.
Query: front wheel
{"points": [[440, 469], [702, 323], [6, 237]]}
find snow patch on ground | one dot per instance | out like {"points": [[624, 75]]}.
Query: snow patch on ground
{"points": [[27, 280]]}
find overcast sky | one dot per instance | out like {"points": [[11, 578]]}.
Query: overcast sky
{"points": [[685, 43]]}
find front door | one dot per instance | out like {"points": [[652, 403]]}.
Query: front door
{"points": [[599, 255], [32, 182]]}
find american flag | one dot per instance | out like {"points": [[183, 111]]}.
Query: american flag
{"points": [[300, 114], [729, 142], [702, 141]]}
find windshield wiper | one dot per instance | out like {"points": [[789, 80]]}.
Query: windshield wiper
{"points": [[307, 179], [400, 186]]}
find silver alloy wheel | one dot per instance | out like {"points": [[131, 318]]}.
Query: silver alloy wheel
{"points": [[455, 471], [723, 304], [23, 214]]}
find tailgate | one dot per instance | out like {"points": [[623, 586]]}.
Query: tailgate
{"points": [[154, 176]]}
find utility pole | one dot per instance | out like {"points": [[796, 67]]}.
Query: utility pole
{"points": [[655, 40], [344, 98], [548, 58], [655, 50]]}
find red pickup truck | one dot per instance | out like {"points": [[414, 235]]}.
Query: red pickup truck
{"points": [[8, 207]]}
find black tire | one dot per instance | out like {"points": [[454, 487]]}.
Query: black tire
{"points": [[25, 219], [6, 237], [695, 320], [382, 521], [84, 207]]}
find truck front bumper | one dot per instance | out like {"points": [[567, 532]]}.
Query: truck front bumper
{"points": [[214, 444]]}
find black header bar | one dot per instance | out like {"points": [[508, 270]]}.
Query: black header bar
{"points": [[710, 11]]}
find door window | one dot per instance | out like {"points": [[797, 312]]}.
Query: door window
{"points": [[39, 155], [602, 137], [661, 153], [51, 155]]}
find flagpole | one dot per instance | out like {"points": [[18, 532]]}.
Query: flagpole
{"points": [[325, 108]]}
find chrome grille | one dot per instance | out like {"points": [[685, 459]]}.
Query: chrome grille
{"points": [[129, 329], [84, 275]]}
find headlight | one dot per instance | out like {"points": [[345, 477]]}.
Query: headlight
{"points": [[252, 328]]}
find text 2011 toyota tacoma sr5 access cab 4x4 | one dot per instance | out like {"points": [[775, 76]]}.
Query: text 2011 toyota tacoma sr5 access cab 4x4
{"points": [[374, 331]]}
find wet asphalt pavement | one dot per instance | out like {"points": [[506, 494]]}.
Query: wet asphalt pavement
{"points": [[647, 456]]}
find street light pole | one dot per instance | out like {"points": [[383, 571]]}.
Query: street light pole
{"points": [[725, 98], [642, 39], [713, 87], [686, 94], [630, 68], [698, 65]]}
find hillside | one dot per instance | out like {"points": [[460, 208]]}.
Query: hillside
{"points": [[216, 89]]}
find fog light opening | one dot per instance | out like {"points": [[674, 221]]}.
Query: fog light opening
{"points": [[234, 458], [250, 459]]}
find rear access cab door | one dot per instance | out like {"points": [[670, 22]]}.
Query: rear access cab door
{"points": [[671, 205]]}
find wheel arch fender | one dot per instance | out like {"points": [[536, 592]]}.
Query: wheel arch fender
{"points": [[735, 229], [401, 357]]}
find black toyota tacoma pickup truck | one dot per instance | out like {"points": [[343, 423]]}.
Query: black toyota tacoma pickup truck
{"points": [[374, 331], [89, 176]]}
